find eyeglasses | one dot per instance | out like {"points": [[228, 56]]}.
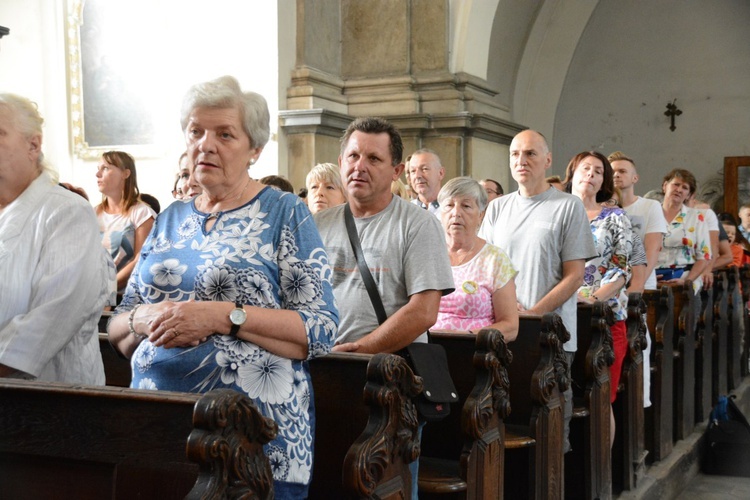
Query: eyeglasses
{"points": [[490, 191]]}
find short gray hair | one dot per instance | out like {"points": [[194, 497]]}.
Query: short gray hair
{"points": [[463, 187], [325, 172], [225, 92], [28, 121], [428, 151]]}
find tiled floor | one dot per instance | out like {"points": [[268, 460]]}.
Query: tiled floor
{"points": [[705, 487]]}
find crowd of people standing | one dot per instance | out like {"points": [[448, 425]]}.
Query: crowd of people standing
{"points": [[240, 282]]}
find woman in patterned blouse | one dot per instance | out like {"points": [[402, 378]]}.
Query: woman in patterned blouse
{"points": [[687, 246], [485, 294], [589, 176], [233, 287]]}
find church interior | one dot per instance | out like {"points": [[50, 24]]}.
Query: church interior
{"points": [[665, 82]]}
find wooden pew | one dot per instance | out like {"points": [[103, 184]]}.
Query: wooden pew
{"points": [[629, 412], [745, 282], [736, 316], [684, 360], [117, 370], [588, 466], [704, 355], [658, 417], [72, 442], [534, 428], [362, 414], [463, 455], [719, 351], [363, 449]]}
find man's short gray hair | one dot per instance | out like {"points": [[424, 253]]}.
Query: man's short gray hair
{"points": [[463, 187], [225, 92]]}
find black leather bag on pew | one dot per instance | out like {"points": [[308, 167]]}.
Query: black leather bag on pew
{"points": [[426, 360], [727, 441]]}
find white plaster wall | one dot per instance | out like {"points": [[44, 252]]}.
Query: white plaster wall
{"points": [[31, 57], [632, 59], [196, 41]]}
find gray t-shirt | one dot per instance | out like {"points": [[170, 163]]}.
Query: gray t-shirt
{"points": [[404, 247], [539, 234]]}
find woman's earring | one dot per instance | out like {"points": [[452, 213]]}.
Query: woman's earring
{"points": [[252, 161]]}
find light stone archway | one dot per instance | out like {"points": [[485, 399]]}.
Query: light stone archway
{"points": [[546, 58], [470, 31]]}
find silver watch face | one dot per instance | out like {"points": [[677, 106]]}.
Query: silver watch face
{"points": [[237, 316]]}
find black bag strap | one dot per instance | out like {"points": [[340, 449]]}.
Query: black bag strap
{"points": [[372, 289]]}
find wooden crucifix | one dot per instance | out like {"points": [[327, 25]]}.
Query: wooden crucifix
{"points": [[672, 112]]}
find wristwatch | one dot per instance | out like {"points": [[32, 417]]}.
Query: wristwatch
{"points": [[237, 316]]}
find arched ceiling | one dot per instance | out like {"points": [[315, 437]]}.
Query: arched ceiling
{"points": [[522, 49]]}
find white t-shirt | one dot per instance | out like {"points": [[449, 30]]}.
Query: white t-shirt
{"points": [[118, 232], [647, 217], [404, 247], [539, 234]]}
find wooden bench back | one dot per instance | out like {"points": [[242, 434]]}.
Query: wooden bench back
{"points": [[736, 323], [366, 426], [628, 408], [704, 354], [684, 360], [658, 419], [590, 465], [745, 282], [74, 442], [538, 376], [719, 334], [471, 438]]}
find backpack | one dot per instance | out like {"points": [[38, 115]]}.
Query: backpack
{"points": [[727, 441]]}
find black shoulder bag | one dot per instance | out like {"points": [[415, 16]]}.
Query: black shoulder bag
{"points": [[426, 360]]}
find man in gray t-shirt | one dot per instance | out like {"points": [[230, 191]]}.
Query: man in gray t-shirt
{"points": [[403, 245], [545, 232], [547, 236]]}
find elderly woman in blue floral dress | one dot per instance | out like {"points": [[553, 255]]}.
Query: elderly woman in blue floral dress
{"points": [[590, 177], [232, 288]]}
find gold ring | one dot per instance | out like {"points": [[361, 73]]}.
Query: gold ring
{"points": [[175, 332]]}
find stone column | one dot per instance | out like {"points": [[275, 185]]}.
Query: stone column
{"points": [[389, 58]]}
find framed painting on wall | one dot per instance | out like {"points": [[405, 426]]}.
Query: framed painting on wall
{"points": [[109, 108]]}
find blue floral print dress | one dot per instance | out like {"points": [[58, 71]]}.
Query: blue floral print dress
{"points": [[267, 253]]}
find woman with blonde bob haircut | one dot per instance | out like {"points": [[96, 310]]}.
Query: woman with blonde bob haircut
{"points": [[485, 294], [324, 187]]}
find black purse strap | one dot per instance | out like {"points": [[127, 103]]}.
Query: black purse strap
{"points": [[372, 289]]}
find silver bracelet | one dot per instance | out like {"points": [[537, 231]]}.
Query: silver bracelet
{"points": [[130, 323]]}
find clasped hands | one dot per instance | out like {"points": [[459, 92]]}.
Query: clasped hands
{"points": [[177, 324]]}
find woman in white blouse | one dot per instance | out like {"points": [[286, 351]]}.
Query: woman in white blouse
{"points": [[686, 251], [55, 275]]}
